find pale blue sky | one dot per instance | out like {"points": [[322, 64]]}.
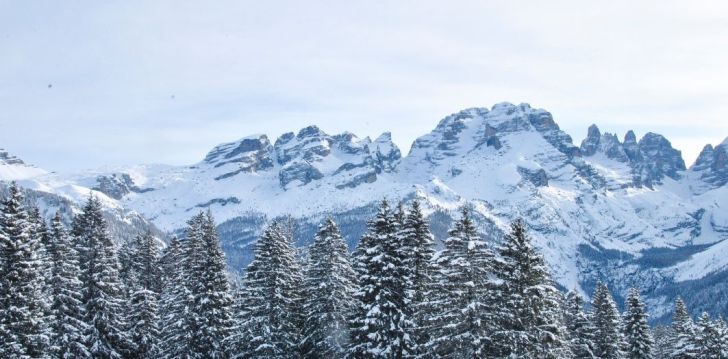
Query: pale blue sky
{"points": [[165, 81]]}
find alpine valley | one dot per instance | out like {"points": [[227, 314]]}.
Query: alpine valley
{"points": [[624, 210]]}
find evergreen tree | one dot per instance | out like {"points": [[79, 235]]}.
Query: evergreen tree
{"points": [[269, 325], [608, 339], [722, 334], [211, 305], [531, 317], [23, 321], [682, 336], [144, 330], [103, 292], [329, 286], [39, 231], [707, 338], [580, 331], [636, 330], [379, 327], [175, 319], [663, 345], [418, 250], [125, 256], [68, 327], [462, 325]]}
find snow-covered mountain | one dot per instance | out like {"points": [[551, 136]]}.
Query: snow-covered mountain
{"points": [[51, 193], [627, 211]]}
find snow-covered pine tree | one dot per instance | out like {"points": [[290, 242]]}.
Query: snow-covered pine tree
{"points": [[269, 325], [103, 291], [707, 338], [68, 327], [662, 348], [722, 330], [580, 331], [329, 285], [608, 338], [143, 303], [379, 327], [531, 320], [211, 305], [23, 321], [682, 333], [125, 256], [636, 330], [39, 230], [418, 249], [175, 319], [462, 324]]}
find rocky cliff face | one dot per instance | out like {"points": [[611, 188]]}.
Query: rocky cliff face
{"points": [[651, 159], [712, 165]]}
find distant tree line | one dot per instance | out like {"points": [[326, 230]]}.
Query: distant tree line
{"points": [[76, 293]]}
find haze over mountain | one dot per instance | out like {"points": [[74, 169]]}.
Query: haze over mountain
{"points": [[615, 207]]}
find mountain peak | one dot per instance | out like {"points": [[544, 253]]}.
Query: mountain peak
{"points": [[712, 164], [310, 131], [630, 137]]}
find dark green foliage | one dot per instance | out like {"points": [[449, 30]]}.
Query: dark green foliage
{"points": [[103, 292], [23, 312], [328, 289], [636, 331], [608, 338], [269, 304], [68, 327]]}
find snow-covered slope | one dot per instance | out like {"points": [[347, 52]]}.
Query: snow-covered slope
{"points": [[627, 211], [51, 193], [13, 168]]}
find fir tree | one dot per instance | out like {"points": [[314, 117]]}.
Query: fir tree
{"points": [[68, 327], [211, 305], [707, 338], [103, 292], [531, 318], [608, 339], [379, 327], [269, 326], [682, 336], [329, 285], [722, 334], [23, 321], [636, 330], [580, 331], [143, 320], [418, 249], [175, 319], [462, 324]]}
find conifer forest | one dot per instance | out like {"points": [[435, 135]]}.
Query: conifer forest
{"points": [[74, 292]]}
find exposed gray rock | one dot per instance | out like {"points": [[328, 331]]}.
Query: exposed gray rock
{"points": [[658, 160], [251, 154], [369, 177], [590, 144], [301, 171], [543, 122], [537, 177], [9, 159], [118, 185], [631, 148], [385, 153], [712, 164]]}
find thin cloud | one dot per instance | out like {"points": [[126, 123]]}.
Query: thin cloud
{"points": [[164, 81]]}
